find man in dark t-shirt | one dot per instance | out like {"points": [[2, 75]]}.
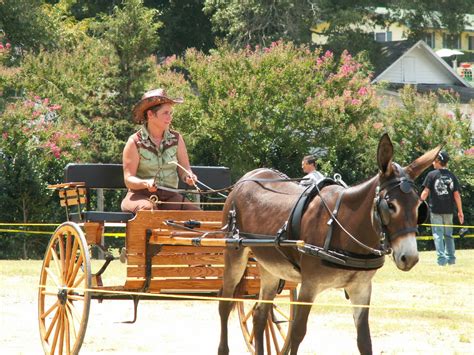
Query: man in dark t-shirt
{"points": [[442, 187]]}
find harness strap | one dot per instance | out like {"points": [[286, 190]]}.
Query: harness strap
{"points": [[327, 242]]}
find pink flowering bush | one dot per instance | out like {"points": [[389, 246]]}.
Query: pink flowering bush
{"points": [[270, 106], [36, 145]]}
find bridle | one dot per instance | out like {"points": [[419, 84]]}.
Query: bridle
{"points": [[382, 210]]}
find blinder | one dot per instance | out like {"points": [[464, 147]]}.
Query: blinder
{"points": [[423, 213], [383, 210]]}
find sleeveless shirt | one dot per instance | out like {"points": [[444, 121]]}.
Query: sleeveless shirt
{"points": [[157, 161]]}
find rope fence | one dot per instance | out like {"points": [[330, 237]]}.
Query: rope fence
{"points": [[119, 234], [253, 300]]}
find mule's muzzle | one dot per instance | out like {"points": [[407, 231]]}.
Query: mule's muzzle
{"points": [[405, 253]]}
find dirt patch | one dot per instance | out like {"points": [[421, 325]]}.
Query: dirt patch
{"points": [[192, 327]]}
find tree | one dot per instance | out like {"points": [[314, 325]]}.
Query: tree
{"points": [[131, 31], [184, 26], [257, 22], [26, 26]]}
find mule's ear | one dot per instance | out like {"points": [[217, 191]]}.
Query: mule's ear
{"points": [[385, 155], [419, 165]]}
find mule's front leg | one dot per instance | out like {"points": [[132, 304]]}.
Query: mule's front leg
{"points": [[235, 264], [359, 294]]}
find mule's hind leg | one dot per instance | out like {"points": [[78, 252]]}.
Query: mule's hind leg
{"points": [[235, 264], [359, 294], [268, 289], [297, 331]]}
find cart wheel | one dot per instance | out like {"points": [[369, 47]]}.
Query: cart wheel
{"points": [[63, 303], [278, 323]]}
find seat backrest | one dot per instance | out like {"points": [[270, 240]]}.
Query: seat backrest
{"points": [[110, 176], [96, 176]]}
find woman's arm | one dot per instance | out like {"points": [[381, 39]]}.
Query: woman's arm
{"points": [[131, 159], [187, 176]]}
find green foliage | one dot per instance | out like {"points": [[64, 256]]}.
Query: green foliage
{"points": [[35, 146], [131, 31], [84, 87], [256, 22], [419, 123], [26, 25], [184, 26], [269, 107]]}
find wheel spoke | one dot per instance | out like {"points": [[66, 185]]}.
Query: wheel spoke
{"points": [[76, 269], [56, 332], [52, 277], [52, 308], [66, 332], [249, 314], [73, 257], [252, 336], [74, 311], [51, 326], [267, 340], [283, 314], [79, 280], [61, 332], [71, 321], [75, 298], [67, 259], [273, 334], [57, 263], [62, 256]]}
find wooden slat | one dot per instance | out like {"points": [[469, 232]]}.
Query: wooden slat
{"points": [[72, 192], [188, 259], [65, 185], [177, 284], [136, 228], [189, 249], [184, 271]]}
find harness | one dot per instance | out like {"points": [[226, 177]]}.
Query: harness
{"points": [[337, 258]]}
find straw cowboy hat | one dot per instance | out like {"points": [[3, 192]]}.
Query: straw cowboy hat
{"points": [[149, 99]]}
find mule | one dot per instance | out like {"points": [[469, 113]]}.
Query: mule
{"points": [[386, 205]]}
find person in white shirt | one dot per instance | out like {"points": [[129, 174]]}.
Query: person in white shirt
{"points": [[312, 177]]}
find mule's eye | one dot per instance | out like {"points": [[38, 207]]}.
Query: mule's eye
{"points": [[391, 206]]}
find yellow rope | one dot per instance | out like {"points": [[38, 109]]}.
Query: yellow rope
{"points": [[275, 301]]}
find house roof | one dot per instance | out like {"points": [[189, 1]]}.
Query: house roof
{"points": [[392, 53]]}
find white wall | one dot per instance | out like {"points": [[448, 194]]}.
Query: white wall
{"points": [[418, 67]]}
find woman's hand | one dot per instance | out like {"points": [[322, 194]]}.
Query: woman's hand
{"points": [[190, 179], [149, 184]]}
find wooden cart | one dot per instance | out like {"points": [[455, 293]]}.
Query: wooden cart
{"points": [[167, 252]]}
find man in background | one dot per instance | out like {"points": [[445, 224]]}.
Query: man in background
{"points": [[309, 167], [442, 188]]}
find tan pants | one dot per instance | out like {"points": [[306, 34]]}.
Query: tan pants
{"points": [[140, 200]]}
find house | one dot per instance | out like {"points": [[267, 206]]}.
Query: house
{"points": [[435, 38], [405, 62]]}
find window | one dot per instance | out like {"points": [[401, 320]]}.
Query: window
{"points": [[383, 36], [429, 38], [470, 42], [451, 41]]}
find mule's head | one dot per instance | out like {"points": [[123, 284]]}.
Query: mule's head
{"points": [[397, 207]]}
